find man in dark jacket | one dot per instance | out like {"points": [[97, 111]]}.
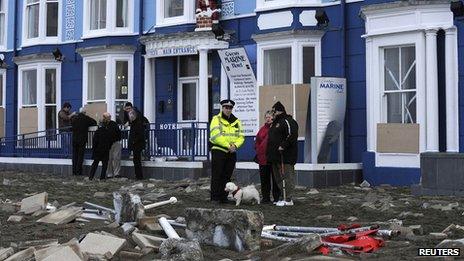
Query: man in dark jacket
{"points": [[114, 161], [102, 142], [80, 127], [282, 152], [137, 141]]}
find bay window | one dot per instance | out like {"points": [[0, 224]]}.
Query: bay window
{"points": [[278, 66], [108, 17], [40, 89], [41, 24], [108, 79]]}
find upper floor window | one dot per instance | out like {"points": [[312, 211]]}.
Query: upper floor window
{"points": [[3, 23], [107, 17], [41, 21], [172, 12]]}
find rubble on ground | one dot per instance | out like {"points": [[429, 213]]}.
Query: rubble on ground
{"points": [[120, 220]]}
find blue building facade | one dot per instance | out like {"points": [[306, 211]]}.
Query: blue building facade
{"points": [[161, 55]]}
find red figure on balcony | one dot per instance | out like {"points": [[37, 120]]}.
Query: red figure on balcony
{"points": [[207, 14]]}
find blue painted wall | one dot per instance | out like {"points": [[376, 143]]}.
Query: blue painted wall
{"points": [[244, 7]]}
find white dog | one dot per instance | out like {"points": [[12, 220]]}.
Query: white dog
{"points": [[246, 194]]}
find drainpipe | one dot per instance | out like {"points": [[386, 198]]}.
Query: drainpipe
{"points": [[343, 35], [142, 59], [15, 70]]}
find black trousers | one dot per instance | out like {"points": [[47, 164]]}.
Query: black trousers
{"points": [[94, 169], [78, 158], [137, 160], [222, 167], [265, 173]]}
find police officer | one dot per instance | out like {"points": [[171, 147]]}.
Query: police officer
{"points": [[226, 136]]}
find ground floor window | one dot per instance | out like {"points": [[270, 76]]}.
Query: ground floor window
{"points": [[39, 95], [108, 82], [400, 84]]}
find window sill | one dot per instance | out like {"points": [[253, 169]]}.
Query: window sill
{"points": [[89, 35], [40, 41], [397, 160], [295, 4], [167, 23]]}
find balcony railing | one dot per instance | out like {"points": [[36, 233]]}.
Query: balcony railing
{"points": [[166, 141]]}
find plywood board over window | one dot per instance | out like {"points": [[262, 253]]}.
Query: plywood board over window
{"points": [[96, 110], [295, 98], [28, 120], [397, 138], [2, 122]]}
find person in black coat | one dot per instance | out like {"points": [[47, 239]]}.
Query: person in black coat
{"points": [[80, 127], [114, 161], [102, 142], [137, 141], [282, 151]]}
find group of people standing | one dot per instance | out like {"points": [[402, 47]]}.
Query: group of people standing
{"points": [[276, 148], [106, 141]]}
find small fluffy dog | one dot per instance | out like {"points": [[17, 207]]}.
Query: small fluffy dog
{"points": [[246, 194]]}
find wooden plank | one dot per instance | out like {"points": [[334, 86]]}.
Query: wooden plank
{"points": [[302, 105], [28, 120], [397, 138], [96, 110], [270, 94]]}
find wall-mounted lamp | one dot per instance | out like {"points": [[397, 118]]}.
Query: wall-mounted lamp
{"points": [[58, 55], [3, 64], [321, 18], [457, 7]]}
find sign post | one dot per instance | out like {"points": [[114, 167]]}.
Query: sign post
{"points": [[243, 87], [328, 104]]}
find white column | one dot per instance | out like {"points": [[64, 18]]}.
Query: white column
{"points": [[369, 97], [203, 87], [149, 101], [431, 89], [224, 84], [452, 94]]}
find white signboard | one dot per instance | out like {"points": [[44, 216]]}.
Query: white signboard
{"points": [[328, 103], [172, 51], [242, 87]]}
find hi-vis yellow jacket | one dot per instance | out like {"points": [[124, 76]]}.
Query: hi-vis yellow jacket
{"points": [[223, 133]]}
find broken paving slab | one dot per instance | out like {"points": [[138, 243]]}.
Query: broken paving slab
{"points": [[31, 204], [96, 244], [147, 241], [27, 254], [5, 253], [38, 244], [181, 249], [65, 253], [63, 216], [15, 218]]}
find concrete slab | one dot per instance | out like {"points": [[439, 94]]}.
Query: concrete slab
{"points": [[27, 254], [31, 204], [5, 253], [100, 244], [63, 216], [15, 218], [144, 241], [65, 253], [44, 253]]}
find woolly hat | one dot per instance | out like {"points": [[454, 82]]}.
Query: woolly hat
{"points": [[279, 107]]}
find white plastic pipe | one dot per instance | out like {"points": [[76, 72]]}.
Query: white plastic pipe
{"points": [[172, 200], [170, 232]]}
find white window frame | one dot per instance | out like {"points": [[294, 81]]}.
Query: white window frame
{"points": [[110, 83], [180, 96], [296, 46], [188, 17], [111, 29], [384, 101], [40, 67], [42, 38], [5, 36], [378, 101], [3, 100]]}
